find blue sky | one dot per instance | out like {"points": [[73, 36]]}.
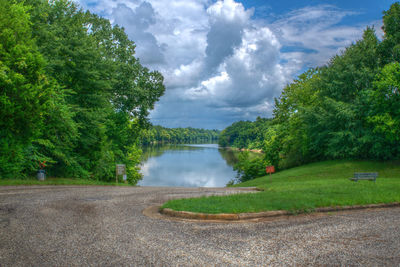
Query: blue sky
{"points": [[368, 9], [225, 61]]}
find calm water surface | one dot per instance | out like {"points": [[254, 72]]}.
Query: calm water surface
{"points": [[187, 165]]}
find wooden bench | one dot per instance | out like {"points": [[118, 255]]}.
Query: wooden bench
{"points": [[365, 176]]}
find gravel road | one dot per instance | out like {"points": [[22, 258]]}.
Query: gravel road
{"points": [[105, 226]]}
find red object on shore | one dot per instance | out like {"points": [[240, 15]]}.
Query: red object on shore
{"points": [[270, 169], [42, 164]]}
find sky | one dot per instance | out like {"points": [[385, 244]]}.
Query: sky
{"points": [[225, 61]]}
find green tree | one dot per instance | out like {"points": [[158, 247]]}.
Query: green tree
{"points": [[390, 47], [74, 93], [346, 109], [249, 168], [25, 89], [385, 101], [158, 134]]}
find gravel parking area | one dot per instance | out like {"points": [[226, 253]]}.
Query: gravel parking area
{"points": [[105, 226]]}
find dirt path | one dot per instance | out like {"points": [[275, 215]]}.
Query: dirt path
{"points": [[71, 225]]}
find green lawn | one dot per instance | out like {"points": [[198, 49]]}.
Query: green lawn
{"points": [[305, 188], [55, 181]]}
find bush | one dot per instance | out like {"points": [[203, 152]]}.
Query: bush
{"points": [[249, 168]]}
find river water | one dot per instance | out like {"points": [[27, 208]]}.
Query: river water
{"points": [[203, 165]]}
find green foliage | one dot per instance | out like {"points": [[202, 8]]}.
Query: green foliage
{"points": [[74, 93], [161, 135], [244, 134], [26, 91], [348, 109], [132, 164], [385, 102], [390, 47], [273, 144], [249, 168]]}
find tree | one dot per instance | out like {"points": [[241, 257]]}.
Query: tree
{"points": [[249, 168], [25, 89], [390, 47], [74, 93], [347, 109], [385, 101]]}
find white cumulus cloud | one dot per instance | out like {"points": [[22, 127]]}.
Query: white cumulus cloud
{"points": [[219, 62]]}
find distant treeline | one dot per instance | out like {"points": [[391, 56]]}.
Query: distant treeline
{"points": [[245, 134], [347, 109], [73, 96], [159, 134]]}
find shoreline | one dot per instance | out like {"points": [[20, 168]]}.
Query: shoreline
{"points": [[243, 149]]}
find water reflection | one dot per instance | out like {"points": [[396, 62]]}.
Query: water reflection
{"points": [[158, 150], [230, 156], [187, 165]]}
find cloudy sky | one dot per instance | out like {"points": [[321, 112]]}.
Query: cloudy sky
{"points": [[225, 61]]}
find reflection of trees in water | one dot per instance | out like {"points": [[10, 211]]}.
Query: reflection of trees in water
{"points": [[157, 150], [230, 156]]}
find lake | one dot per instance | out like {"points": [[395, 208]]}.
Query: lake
{"points": [[202, 165]]}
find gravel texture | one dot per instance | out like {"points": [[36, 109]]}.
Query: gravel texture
{"points": [[105, 226]]}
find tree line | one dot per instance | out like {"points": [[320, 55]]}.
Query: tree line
{"points": [[347, 109], [73, 95], [161, 135], [245, 134]]}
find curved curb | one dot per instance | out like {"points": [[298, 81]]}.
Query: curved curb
{"points": [[265, 214]]}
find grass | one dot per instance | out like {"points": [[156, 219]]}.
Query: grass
{"points": [[305, 188], [56, 181]]}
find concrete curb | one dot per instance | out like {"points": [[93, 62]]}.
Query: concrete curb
{"points": [[265, 214]]}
